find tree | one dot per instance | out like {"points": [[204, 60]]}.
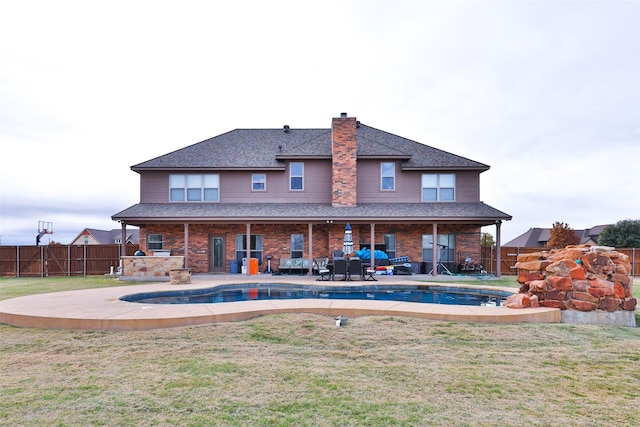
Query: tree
{"points": [[624, 234], [561, 235], [487, 240]]}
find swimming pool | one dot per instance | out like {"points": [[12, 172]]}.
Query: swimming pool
{"points": [[248, 292]]}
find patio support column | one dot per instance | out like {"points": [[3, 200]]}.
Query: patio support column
{"points": [[373, 245], [248, 253], [498, 260], [186, 245], [434, 251], [123, 241], [310, 272]]}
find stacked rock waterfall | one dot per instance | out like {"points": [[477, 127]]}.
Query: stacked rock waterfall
{"points": [[583, 278]]}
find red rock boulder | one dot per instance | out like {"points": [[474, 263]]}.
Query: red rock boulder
{"points": [[609, 304], [600, 288], [560, 283], [538, 286], [629, 304], [518, 301], [562, 305], [581, 305], [598, 263]]}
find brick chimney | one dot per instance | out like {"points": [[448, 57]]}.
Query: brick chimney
{"points": [[343, 170]]}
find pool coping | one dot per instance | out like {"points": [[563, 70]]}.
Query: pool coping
{"points": [[102, 309]]}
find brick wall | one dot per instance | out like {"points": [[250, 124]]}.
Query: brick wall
{"points": [[343, 170], [409, 238], [326, 239]]}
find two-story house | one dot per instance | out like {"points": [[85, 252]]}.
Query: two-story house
{"points": [[289, 193]]}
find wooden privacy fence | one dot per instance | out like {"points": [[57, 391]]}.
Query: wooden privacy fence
{"points": [[87, 260], [509, 256], [60, 260]]}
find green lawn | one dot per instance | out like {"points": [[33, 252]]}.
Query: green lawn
{"points": [[300, 370], [11, 287]]}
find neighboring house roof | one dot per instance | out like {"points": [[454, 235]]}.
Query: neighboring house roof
{"points": [[266, 148], [538, 237], [591, 233], [532, 238], [282, 212], [108, 237]]}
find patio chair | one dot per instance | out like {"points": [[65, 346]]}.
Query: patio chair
{"points": [[369, 273], [338, 254], [354, 269], [340, 267], [320, 266]]}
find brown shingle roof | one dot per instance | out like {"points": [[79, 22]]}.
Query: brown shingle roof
{"points": [[266, 148], [282, 212]]}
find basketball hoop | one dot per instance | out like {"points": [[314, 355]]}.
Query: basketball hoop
{"points": [[44, 227]]}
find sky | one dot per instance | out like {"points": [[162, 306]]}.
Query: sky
{"points": [[545, 92]]}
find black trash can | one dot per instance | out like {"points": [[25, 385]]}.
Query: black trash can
{"points": [[425, 267]]}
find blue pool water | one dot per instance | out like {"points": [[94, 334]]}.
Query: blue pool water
{"points": [[249, 292]]}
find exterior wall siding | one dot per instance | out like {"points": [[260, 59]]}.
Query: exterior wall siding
{"points": [[467, 186], [154, 187], [408, 185], [235, 186], [369, 185]]}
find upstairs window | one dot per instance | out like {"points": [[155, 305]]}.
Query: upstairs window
{"points": [[194, 188], [296, 176], [258, 182], [438, 187], [388, 176]]}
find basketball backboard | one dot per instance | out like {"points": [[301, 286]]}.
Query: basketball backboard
{"points": [[45, 227]]}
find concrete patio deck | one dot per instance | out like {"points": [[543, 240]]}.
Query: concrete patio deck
{"points": [[102, 308]]}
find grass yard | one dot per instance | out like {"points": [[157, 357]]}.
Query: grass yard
{"points": [[21, 286], [300, 370]]}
